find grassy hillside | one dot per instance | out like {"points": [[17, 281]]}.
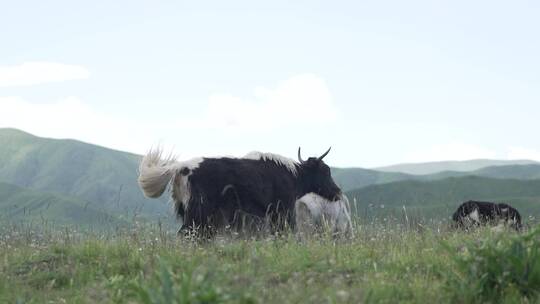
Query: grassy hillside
{"points": [[531, 171], [19, 205], [354, 178], [440, 198], [460, 166], [524, 172], [105, 177]]}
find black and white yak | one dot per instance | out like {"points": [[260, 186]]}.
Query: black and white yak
{"points": [[216, 193], [474, 213]]}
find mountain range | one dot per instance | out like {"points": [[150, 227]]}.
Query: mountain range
{"points": [[459, 166], [354, 178]]}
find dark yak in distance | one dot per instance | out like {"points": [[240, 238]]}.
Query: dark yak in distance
{"points": [[473, 213], [214, 193]]}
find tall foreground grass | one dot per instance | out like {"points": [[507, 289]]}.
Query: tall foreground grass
{"points": [[383, 263]]}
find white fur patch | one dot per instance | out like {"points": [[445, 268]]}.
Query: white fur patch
{"points": [[474, 216], [315, 213], [181, 187], [286, 162], [504, 210]]}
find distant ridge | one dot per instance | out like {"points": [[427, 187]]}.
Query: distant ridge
{"points": [[355, 178], [15, 132], [457, 166], [23, 136]]}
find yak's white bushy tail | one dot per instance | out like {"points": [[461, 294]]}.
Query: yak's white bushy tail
{"points": [[155, 172]]}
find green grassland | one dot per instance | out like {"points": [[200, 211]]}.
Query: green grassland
{"points": [[382, 264]]}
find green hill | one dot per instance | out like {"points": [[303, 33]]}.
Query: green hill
{"points": [[440, 198], [353, 178], [459, 166], [104, 177], [531, 171], [18, 205]]}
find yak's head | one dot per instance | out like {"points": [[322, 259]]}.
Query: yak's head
{"points": [[314, 176]]}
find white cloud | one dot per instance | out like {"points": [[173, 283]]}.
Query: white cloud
{"points": [[72, 118], [300, 100], [62, 118], [451, 151], [39, 72], [523, 153]]}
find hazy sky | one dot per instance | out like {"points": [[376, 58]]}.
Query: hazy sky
{"points": [[381, 81]]}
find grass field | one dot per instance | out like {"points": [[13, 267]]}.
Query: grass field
{"points": [[385, 262]]}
